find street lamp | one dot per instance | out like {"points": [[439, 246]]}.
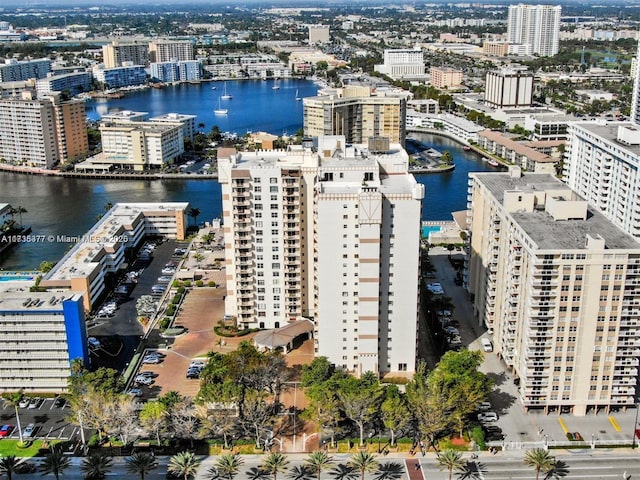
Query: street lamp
{"points": [[635, 425]]}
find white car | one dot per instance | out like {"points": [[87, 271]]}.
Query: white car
{"points": [[134, 392], [151, 359], [197, 364], [488, 417], [484, 406], [143, 380], [29, 430]]}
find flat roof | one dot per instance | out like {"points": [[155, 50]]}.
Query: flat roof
{"points": [[608, 131], [544, 231], [35, 302], [175, 117]]}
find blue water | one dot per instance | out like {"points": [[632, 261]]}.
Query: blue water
{"points": [[11, 278], [427, 229], [255, 106]]}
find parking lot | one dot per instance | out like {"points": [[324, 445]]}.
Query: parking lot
{"points": [[120, 335], [517, 425]]}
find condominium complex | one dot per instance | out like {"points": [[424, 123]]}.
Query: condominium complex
{"points": [[170, 50], [119, 77], [356, 114], [601, 164], [42, 132], [187, 71], [187, 122], [536, 28], [140, 145], [509, 88], [15, 71], [117, 54], [101, 251], [558, 286], [402, 63], [635, 102], [444, 78], [41, 334], [494, 48], [328, 232], [72, 83]]}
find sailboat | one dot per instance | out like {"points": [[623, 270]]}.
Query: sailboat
{"points": [[275, 85], [225, 95], [220, 110], [298, 98]]}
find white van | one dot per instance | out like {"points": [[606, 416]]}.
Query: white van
{"points": [[487, 346]]}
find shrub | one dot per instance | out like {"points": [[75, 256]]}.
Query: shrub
{"points": [[176, 284], [211, 284], [171, 310], [187, 283], [181, 289], [478, 437], [176, 299], [164, 323], [199, 283]]}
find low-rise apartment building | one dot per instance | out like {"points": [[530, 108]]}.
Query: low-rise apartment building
{"points": [[517, 153]]}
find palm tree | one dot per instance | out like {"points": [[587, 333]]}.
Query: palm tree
{"points": [[451, 460], [55, 462], [540, 459], [257, 473], [193, 213], [141, 463], [389, 471], [363, 462], [8, 465], [344, 472], [184, 464], [275, 463], [300, 472], [558, 470], [12, 400], [227, 466], [95, 466], [319, 461]]}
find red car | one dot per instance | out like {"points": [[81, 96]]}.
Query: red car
{"points": [[6, 430]]}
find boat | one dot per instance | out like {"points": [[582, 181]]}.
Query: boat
{"points": [[466, 148], [298, 98], [220, 110], [275, 86], [214, 88], [493, 163], [225, 95]]}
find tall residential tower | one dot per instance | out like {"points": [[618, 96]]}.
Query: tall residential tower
{"points": [[535, 27]]}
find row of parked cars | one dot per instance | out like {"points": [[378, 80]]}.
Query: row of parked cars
{"points": [[195, 369]]}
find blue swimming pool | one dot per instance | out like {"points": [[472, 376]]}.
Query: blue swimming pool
{"points": [[10, 278], [427, 229]]}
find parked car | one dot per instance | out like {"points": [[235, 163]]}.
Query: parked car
{"points": [[165, 279], [151, 359], [93, 342], [157, 288], [487, 346], [488, 417], [134, 392], [143, 380], [29, 431], [168, 270], [35, 402], [197, 364], [5, 430], [146, 374], [193, 373], [484, 406], [24, 403], [59, 402]]}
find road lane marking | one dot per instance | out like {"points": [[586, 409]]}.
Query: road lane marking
{"points": [[563, 426], [615, 424]]}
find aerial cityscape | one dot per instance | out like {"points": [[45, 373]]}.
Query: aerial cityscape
{"points": [[385, 241]]}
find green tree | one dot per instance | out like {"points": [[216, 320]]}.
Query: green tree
{"points": [[317, 372], [227, 466], [153, 418], [96, 466], [274, 463], [55, 462], [558, 469], [12, 400], [447, 157], [539, 459], [394, 411], [46, 266], [8, 465], [318, 461], [450, 460], [141, 463], [194, 213], [360, 400], [363, 462], [184, 464]]}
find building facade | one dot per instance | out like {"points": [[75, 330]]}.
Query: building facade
{"points": [[535, 27], [188, 71], [170, 51], [15, 71], [444, 78], [187, 122], [358, 118], [118, 54], [319, 34], [557, 285], [287, 261], [402, 63], [601, 164], [121, 76], [41, 334], [73, 83], [509, 88], [635, 101]]}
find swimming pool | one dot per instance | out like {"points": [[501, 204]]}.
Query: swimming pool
{"points": [[427, 229], [11, 278]]}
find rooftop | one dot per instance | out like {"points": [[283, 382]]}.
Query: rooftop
{"points": [[545, 232], [36, 302], [608, 131]]}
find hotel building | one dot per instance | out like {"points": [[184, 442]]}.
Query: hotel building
{"points": [[101, 251], [356, 114], [170, 51], [402, 63], [117, 54], [558, 285], [601, 164], [329, 233], [534, 27], [42, 132], [40, 335]]}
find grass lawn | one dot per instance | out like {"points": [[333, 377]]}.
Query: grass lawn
{"points": [[10, 447]]}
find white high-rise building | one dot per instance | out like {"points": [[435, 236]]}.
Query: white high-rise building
{"points": [[635, 102], [535, 27], [509, 88], [558, 286], [332, 234], [402, 63]]}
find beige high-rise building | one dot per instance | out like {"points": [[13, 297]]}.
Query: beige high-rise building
{"points": [[558, 287], [42, 132], [445, 77], [170, 50], [329, 233], [509, 88], [357, 115], [117, 54], [319, 34]]}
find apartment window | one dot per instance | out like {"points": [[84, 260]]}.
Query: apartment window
{"points": [[273, 190], [257, 189], [273, 180]]}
